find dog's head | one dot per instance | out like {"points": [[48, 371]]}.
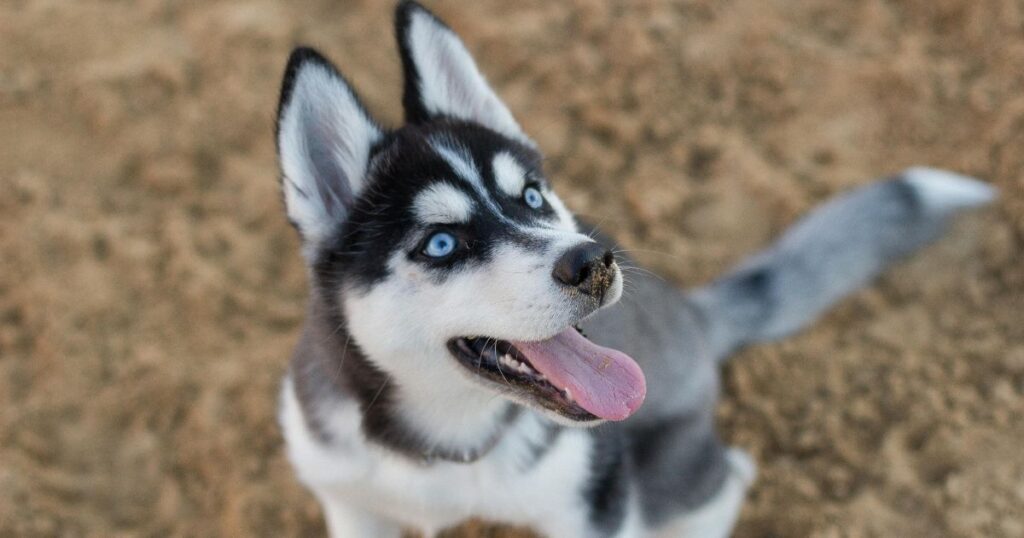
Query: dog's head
{"points": [[441, 243]]}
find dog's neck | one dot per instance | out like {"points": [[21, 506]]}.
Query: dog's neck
{"points": [[423, 421]]}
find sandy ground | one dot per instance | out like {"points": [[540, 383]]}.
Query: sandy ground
{"points": [[151, 289]]}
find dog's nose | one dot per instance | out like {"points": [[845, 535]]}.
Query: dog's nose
{"points": [[587, 267]]}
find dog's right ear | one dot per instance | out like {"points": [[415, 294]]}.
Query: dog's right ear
{"points": [[324, 139], [441, 77]]}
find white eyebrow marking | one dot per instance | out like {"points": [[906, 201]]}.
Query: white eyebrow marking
{"points": [[442, 203], [462, 163], [508, 173], [460, 160]]}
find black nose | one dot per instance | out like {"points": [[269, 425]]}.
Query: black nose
{"points": [[587, 267]]}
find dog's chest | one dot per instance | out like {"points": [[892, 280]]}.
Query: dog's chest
{"points": [[529, 476]]}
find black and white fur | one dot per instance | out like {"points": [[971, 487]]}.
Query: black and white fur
{"points": [[390, 432]]}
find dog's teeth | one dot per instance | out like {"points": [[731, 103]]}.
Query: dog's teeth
{"points": [[507, 360], [517, 365], [568, 394]]}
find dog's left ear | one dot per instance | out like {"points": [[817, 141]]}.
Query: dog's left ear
{"points": [[441, 78], [324, 140]]}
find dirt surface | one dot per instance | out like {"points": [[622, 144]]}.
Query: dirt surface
{"points": [[151, 289]]}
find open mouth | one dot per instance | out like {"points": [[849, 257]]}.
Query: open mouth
{"points": [[566, 374]]}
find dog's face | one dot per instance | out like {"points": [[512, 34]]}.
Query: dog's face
{"points": [[441, 243]]}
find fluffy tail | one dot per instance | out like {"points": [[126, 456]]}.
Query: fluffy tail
{"points": [[837, 248]]}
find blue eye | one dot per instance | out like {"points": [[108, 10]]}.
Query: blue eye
{"points": [[440, 245], [533, 197]]}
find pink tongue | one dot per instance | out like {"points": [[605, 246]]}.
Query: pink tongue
{"points": [[606, 382]]}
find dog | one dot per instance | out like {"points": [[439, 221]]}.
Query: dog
{"points": [[465, 353]]}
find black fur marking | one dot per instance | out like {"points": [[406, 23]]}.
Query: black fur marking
{"points": [[757, 283], [606, 492]]}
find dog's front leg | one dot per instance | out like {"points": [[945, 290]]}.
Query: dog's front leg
{"points": [[717, 517], [347, 521]]}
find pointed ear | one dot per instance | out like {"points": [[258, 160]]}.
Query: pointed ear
{"points": [[324, 138], [441, 78]]}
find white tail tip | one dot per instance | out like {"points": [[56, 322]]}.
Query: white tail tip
{"points": [[942, 191]]}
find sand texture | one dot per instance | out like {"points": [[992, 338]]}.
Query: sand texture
{"points": [[151, 288]]}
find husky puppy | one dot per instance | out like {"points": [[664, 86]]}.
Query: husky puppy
{"points": [[465, 353]]}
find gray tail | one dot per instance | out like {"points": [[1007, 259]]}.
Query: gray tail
{"points": [[837, 248]]}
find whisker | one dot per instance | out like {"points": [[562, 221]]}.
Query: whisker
{"points": [[499, 364], [375, 396], [650, 251]]}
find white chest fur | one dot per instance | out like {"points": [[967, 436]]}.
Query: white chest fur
{"points": [[506, 485]]}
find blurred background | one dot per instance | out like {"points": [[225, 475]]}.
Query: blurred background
{"points": [[151, 288]]}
